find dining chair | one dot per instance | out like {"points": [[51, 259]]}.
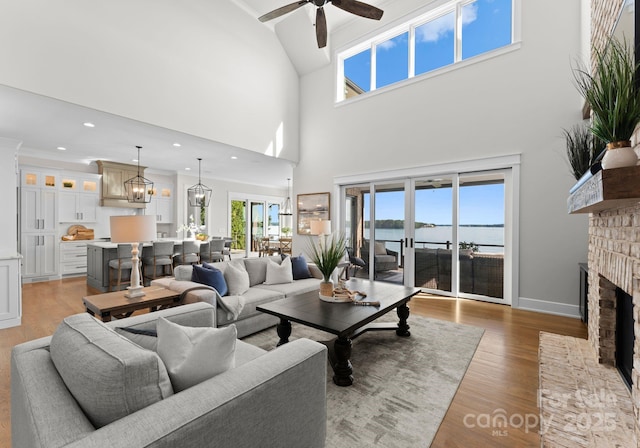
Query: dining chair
{"points": [[121, 263], [263, 248], [188, 254], [227, 248], [286, 245], [161, 256]]}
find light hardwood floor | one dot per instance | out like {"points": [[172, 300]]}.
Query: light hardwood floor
{"points": [[502, 376]]}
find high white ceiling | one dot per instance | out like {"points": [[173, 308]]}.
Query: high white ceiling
{"points": [[43, 124]]}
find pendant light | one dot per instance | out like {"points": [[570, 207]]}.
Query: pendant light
{"points": [[138, 189], [285, 209], [199, 195]]}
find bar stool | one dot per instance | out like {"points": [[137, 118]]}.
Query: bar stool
{"points": [[121, 263], [216, 249], [161, 255], [189, 254]]}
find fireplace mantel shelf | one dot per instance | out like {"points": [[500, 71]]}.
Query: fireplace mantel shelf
{"points": [[607, 189]]}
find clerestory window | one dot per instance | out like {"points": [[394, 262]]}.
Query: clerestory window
{"points": [[451, 33]]}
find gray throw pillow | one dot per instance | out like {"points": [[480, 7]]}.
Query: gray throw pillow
{"points": [[279, 273], [237, 279], [195, 354], [108, 375]]}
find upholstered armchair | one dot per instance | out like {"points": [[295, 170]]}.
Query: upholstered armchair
{"points": [[385, 259]]}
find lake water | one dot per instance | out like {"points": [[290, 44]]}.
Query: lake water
{"points": [[427, 236]]}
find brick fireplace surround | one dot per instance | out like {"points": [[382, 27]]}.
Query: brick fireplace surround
{"points": [[614, 260]]}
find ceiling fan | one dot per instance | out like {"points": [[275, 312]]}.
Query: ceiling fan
{"points": [[352, 6]]}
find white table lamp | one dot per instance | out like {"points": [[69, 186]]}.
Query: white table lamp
{"points": [[320, 227], [133, 229]]}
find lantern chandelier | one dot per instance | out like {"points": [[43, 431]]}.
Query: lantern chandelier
{"points": [[199, 195], [138, 189]]}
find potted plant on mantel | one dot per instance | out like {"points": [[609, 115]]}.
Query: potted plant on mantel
{"points": [[326, 253], [613, 96]]}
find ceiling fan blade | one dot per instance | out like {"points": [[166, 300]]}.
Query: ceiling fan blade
{"points": [[282, 10], [321, 28], [359, 8]]}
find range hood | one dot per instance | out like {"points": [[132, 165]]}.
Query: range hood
{"points": [[114, 175]]}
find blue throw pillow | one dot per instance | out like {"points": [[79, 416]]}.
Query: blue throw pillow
{"points": [[210, 276], [300, 268]]}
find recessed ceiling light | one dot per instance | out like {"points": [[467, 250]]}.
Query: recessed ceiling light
{"points": [[62, 148], [89, 124], [187, 169], [234, 158], [135, 160], [177, 145]]}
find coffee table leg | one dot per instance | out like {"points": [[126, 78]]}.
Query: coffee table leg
{"points": [[403, 327], [284, 331], [342, 368]]}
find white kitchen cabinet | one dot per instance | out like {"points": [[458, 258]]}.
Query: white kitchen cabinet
{"points": [[38, 210], [38, 178], [38, 222], [77, 207], [11, 293], [161, 204], [73, 258], [40, 258], [79, 197]]}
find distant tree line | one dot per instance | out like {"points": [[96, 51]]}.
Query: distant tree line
{"points": [[399, 224]]}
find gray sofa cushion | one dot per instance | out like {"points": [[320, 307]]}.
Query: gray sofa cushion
{"points": [[297, 287], [257, 269], [109, 376]]}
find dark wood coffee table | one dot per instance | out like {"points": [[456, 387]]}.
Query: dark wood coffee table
{"points": [[346, 320], [115, 304]]}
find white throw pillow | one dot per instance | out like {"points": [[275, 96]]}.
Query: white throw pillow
{"points": [[279, 273], [237, 279], [194, 354]]}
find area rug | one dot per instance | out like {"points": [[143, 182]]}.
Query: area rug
{"points": [[402, 386]]}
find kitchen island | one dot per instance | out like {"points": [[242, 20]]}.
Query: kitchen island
{"points": [[99, 253]]}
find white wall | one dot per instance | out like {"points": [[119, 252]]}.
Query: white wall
{"points": [[518, 102], [201, 67], [8, 174]]}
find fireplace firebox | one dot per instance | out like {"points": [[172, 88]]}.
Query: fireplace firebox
{"points": [[625, 337]]}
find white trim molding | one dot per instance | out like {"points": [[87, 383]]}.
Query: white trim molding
{"points": [[548, 307]]}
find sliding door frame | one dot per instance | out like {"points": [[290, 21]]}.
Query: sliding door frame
{"points": [[509, 163]]}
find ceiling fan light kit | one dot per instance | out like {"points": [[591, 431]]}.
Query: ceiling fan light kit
{"points": [[352, 6]]}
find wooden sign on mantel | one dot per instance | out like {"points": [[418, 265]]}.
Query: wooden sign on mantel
{"points": [[607, 189]]}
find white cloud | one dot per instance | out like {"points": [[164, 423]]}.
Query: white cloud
{"points": [[436, 29], [469, 13]]}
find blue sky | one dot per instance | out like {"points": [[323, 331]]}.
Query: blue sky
{"points": [[486, 25], [483, 204]]}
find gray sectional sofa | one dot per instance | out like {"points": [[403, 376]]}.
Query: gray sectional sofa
{"points": [[269, 399], [248, 320]]}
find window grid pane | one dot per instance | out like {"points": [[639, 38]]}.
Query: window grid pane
{"points": [[392, 60], [486, 25], [435, 43]]}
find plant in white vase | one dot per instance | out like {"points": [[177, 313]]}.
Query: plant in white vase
{"points": [[613, 95], [326, 253]]}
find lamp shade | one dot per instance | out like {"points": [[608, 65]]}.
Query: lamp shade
{"points": [[133, 228], [320, 227]]}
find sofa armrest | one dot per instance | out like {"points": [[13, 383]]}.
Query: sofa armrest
{"points": [[275, 400]]}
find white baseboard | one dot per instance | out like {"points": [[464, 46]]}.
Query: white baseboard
{"points": [[8, 323], [544, 306]]}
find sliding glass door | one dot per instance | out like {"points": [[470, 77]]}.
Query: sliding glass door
{"points": [[446, 234], [434, 233]]}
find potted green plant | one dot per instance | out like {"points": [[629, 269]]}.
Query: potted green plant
{"points": [[583, 148], [286, 231], [467, 248], [612, 94], [326, 253]]}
